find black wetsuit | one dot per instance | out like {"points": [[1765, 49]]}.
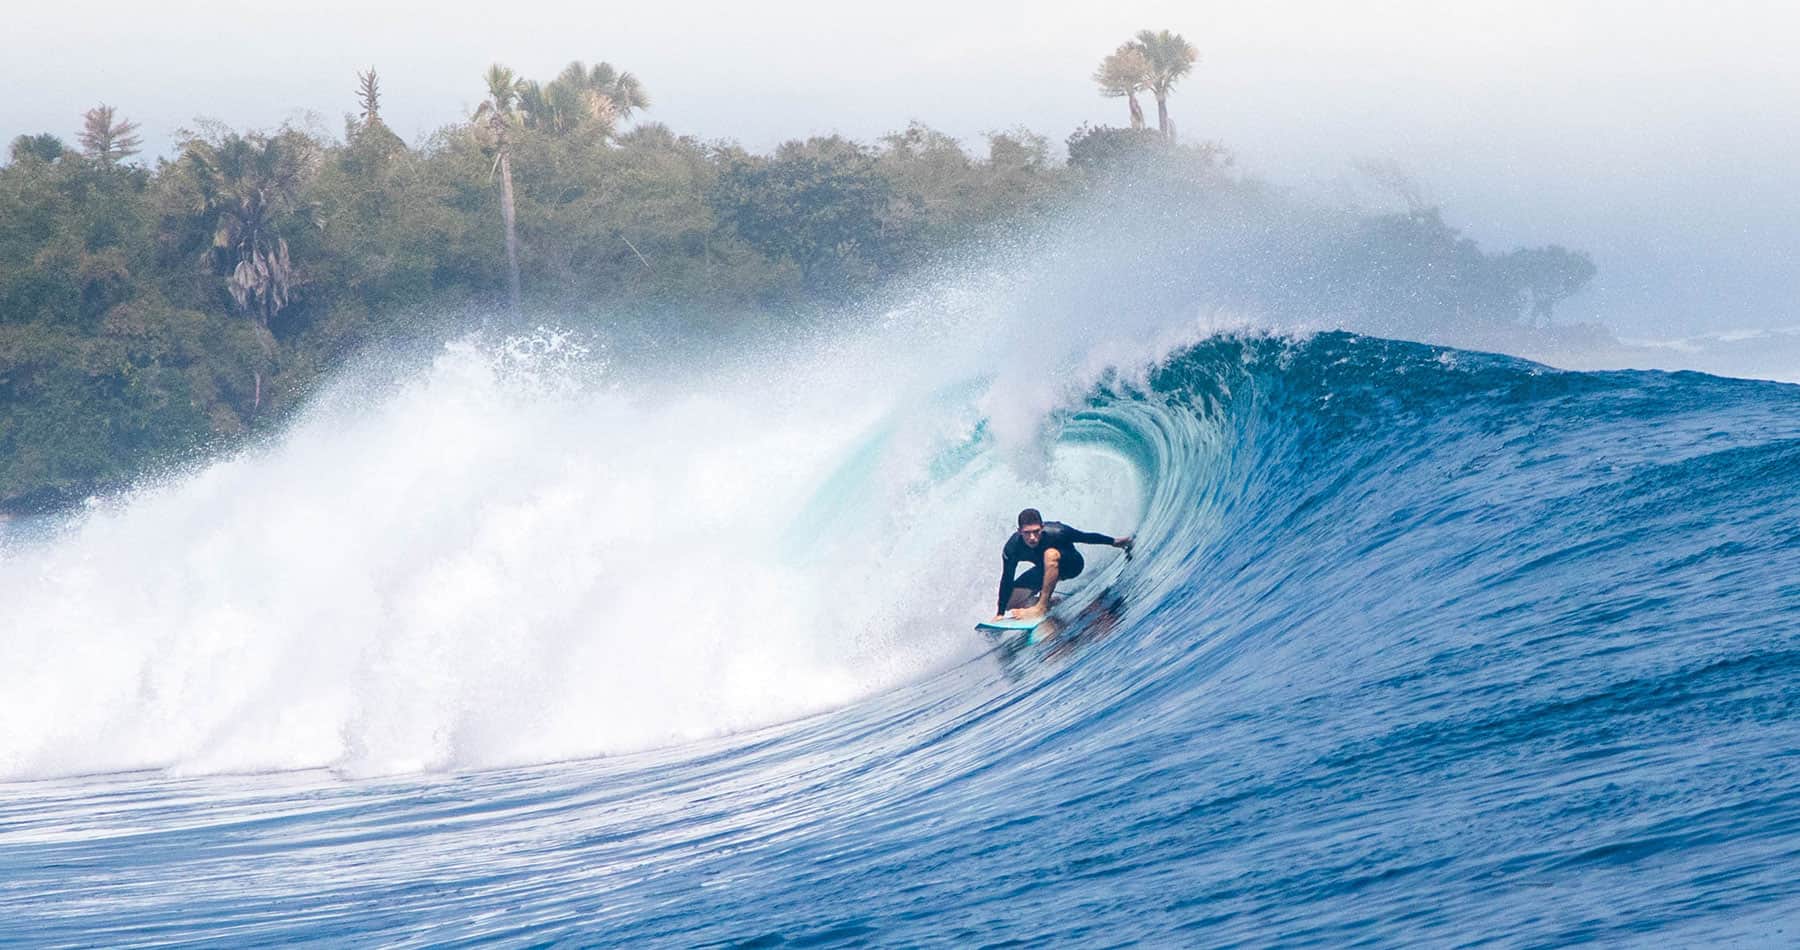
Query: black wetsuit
{"points": [[1056, 535]]}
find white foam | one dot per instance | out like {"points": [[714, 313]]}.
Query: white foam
{"points": [[508, 558]]}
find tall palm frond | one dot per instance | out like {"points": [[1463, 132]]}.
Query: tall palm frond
{"points": [[503, 110], [503, 87], [568, 104], [368, 95], [627, 93], [600, 95], [1123, 74], [247, 185], [534, 110], [106, 138], [1170, 57], [573, 76]]}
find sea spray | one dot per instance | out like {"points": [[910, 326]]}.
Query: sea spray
{"points": [[510, 556]]}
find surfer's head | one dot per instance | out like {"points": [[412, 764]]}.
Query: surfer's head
{"points": [[1031, 526]]}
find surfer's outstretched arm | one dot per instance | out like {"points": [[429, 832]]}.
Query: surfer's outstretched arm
{"points": [[1094, 537]]}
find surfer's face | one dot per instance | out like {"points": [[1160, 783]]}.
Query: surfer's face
{"points": [[1032, 533]]}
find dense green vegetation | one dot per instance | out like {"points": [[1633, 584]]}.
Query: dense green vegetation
{"points": [[147, 311]]}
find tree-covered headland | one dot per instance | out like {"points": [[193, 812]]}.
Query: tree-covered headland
{"points": [[153, 309]]}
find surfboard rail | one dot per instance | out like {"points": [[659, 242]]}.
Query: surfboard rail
{"points": [[1031, 624]]}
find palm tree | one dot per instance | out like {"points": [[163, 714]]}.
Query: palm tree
{"points": [[245, 185], [368, 95], [501, 112], [1125, 73], [535, 108], [627, 94], [577, 102], [1170, 58], [598, 98], [105, 140]]}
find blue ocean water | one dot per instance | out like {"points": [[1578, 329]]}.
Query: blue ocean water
{"points": [[1420, 646]]}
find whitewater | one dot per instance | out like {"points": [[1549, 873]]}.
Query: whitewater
{"points": [[542, 640]]}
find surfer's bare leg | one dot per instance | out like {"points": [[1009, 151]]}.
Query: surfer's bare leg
{"points": [[1052, 573]]}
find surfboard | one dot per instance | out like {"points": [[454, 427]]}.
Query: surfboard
{"points": [[1011, 624]]}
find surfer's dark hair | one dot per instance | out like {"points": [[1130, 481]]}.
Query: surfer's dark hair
{"points": [[1030, 516]]}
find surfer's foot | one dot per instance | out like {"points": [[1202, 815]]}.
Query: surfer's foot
{"points": [[1027, 613]]}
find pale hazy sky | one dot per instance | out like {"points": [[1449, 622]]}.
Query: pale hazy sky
{"points": [[1661, 136]]}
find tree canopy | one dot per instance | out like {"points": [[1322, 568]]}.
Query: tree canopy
{"points": [[1153, 61], [150, 310]]}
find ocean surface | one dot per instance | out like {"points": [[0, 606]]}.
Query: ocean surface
{"points": [[1419, 647]]}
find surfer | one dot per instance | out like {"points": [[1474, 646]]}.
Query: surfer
{"points": [[1050, 547]]}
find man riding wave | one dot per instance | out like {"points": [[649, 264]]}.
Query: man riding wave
{"points": [[1049, 546]]}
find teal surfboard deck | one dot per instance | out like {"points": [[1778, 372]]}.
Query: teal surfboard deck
{"points": [[1010, 624]]}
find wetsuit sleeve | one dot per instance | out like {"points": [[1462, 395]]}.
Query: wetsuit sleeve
{"points": [[1007, 566], [1088, 537]]}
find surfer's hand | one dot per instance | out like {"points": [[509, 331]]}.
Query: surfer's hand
{"points": [[1124, 542]]}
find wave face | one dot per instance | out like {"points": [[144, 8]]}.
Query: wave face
{"points": [[1419, 646]]}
